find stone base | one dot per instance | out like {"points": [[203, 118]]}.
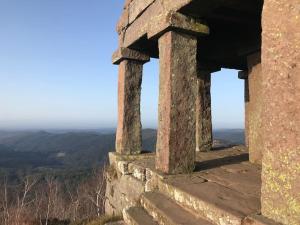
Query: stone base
{"points": [[224, 189], [128, 180]]}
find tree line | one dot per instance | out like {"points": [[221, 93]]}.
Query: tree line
{"points": [[40, 200]]}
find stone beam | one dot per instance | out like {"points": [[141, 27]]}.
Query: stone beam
{"points": [[129, 54], [158, 15], [175, 150], [134, 9], [204, 136], [176, 21], [129, 130]]}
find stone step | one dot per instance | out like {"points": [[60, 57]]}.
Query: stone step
{"points": [[120, 222], [214, 202], [137, 216], [166, 212]]}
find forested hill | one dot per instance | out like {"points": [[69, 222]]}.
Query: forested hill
{"points": [[59, 150], [39, 150]]}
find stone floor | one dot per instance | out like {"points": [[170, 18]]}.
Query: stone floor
{"points": [[224, 183], [226, 166], [223, 189]]}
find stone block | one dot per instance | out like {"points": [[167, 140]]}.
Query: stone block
{"points": [[123, 167], [204, 138], [152, 179], [253, 108], [121, 193], [129, 136], [178, 21], [139, 172], [112, 158], [138, 7], [175, 151], [216, 203], [129, 54], [153, 16], [166, 211], [123, 21], [137, 216], [281, 117]]}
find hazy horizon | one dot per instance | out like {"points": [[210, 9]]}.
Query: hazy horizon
{"points": [[56, 70]]}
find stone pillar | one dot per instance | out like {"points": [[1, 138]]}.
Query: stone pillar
{"points": [[253, 108], [281, 111], [244, 76], [129, 130], [176, 144], [204, 137]]}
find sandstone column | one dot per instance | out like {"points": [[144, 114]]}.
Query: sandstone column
{"points": [[176, 142], [253, 107], [129, 130], [243, 75], [281, 111], [203, 112]]}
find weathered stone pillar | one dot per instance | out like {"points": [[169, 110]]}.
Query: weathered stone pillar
{"points": [[253, 107], [281, 111], [243, 75], [176, 142], [129, 130], [204, 136]]}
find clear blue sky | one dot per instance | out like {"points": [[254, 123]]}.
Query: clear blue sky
{"points": [[56, 72]]}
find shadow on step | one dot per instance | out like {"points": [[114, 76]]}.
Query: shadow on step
{"points": [[214, 163]]}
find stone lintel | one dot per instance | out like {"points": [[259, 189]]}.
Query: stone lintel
{"points": [[138, 14], [123, 21], [137, 7], [178, 22], [243, 75], [129, 54]]}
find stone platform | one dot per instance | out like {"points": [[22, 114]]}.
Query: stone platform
{"points": [[223, 189]]}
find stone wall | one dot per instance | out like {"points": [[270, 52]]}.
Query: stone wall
{"points": [[122, 191], [127, 178]]}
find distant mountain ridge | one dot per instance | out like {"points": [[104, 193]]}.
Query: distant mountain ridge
{"points": [[78, 149]]}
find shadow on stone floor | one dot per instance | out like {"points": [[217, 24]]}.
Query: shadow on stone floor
{"points": [[214, 163]]}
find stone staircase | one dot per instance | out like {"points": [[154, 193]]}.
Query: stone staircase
{"points": [[157, 208], [193, 203]]}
